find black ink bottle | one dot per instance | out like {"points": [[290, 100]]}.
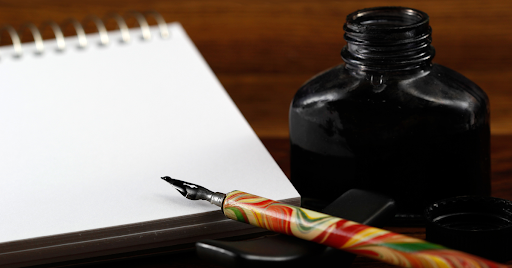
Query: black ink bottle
{"points": [[389, 120]]}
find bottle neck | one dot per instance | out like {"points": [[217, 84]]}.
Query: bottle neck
{"points": [[388, 39]]}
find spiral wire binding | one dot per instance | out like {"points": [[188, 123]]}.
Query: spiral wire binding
{"points": [[125, 34], [100, 27], [38, 39], [59, 36], [15, 39], [80, 33]]}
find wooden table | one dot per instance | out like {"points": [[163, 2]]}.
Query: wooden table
{"points": [[262, 51]]}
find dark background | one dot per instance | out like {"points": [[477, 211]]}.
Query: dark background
{"points": [[263, 51]]}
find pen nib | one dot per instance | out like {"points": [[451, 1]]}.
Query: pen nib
{"points": [[179, 185], [195, 192]]}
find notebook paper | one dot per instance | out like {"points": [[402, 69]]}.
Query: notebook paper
{"points": [[87, 133]]}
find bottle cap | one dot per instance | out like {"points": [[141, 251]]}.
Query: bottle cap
{"points": [[477, 225]]}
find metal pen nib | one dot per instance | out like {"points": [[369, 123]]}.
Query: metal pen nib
{"points": [[196, 192]]}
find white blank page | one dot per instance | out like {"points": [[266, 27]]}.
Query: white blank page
{"points": [[86, 135]]}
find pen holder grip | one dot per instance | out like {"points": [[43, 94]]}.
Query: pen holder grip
{"points": [[347, 235]]}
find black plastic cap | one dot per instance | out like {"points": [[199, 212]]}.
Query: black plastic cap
{"points": [[478, 225]]}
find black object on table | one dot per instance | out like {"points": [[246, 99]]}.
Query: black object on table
{"points": [[277, 250]]}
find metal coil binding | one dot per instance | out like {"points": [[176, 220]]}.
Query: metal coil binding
{"points": [[59, 36], [80, 33], [38, 39], [125, 34]]}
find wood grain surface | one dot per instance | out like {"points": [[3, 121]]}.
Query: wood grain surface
{"points": [[262, 51]]}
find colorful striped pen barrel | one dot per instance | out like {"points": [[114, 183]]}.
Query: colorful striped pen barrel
{"points": [[331, 231]]}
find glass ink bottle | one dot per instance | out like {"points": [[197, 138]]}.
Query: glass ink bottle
{"points": [[389, 120]]}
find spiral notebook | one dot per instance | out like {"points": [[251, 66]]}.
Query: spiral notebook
{"points": [[87, 132]]}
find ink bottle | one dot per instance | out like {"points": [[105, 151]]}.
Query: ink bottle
{"points": [[389, 120]]}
